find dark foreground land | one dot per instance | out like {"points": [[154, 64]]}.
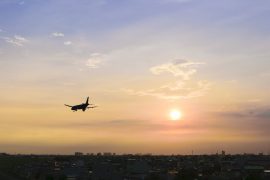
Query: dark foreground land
{"points": [[132, 167]]}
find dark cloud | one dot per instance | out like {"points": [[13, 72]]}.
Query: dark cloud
{"points": [[256, 113], [250, 121], [263, 114]]}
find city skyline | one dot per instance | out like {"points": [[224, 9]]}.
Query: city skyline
{"points": [[137, 61]]}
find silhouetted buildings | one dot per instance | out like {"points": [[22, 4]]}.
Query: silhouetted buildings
{"points": [[109, 166], [78, 154]]}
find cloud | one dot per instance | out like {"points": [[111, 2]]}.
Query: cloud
{"points": [[95, 60], [67, 43], [175, 91], [257, 113], [58, 34], [265, 114], [20, 38], [179, 68], [184, 88], [251, 119], [124, 124], [16, 40]]}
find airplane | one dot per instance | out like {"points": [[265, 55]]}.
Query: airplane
{"points": [[82, 106]]}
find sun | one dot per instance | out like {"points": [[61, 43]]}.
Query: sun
{"points": [[175, 115]]}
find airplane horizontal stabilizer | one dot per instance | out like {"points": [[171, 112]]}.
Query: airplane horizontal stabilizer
{"points": [[68, 105], [92, 107]]}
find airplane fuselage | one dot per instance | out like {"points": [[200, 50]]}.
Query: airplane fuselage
{"points": [[80, 106]]}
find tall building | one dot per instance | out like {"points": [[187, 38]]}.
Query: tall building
{"points": [[223, 153], [78, 154]]}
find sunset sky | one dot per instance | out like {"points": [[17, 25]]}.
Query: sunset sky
{"points": [[137, 60]]}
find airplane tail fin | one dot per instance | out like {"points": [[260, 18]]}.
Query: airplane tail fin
{"points": [[87, 100]]}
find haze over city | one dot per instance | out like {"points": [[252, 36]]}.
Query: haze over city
{"points": [[168, 76]]}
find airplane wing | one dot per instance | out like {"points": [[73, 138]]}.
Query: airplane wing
{"points": [[92, 107], [68, 105]]}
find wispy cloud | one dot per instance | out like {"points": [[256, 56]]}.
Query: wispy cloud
{"points": [[180, 68], [16, 40], [183, 88], [58, 34], [176, 91], [95, 60], [20, 38], [67, 43]]}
